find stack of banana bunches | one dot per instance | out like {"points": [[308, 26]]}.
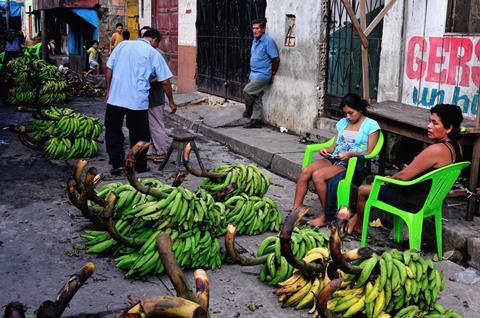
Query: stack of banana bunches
{"points": [[193, 220], [35, 81], [63, 133], [393, 284]]}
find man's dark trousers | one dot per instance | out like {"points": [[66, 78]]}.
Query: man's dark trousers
{"points": [[137, 124]]}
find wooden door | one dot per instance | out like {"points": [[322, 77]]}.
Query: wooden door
{"points": [[165, 19]]}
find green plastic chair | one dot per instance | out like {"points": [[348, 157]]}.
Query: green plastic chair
{"points": [[2, 58], [442, 181], [343, 189]]}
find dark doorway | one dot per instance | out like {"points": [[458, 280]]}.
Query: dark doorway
{"points": [[224, 38]]}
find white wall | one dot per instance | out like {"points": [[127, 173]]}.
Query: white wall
{"points": [[146, 20], [292, 101], [187, 15], [437, 67]]}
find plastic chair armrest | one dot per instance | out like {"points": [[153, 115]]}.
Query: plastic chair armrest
{"points": [[311, 149]]}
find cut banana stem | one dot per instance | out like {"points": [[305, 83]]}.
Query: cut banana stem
{"points": [[55, 309], [165, 306], [290, 222], [222, 194], [14, 309], [323, 297], [202, 288], [338, 260], [27, 140], [179, 178], [110, 225], [174, 272], [72, 193], [132, 155], [90, 183], [26, 109], [77, 173], [358, 253], [233, 253], [86, 212], [196, 171]]}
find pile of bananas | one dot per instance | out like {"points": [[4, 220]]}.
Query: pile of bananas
{"points": [[298, 291], [35, 81], [67, 133], [192, 220], [389, 284], [252, 215], [248, 179], [277, 269]]}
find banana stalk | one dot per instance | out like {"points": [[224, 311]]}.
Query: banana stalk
{"points": [[91, 180], [14, 309], [307, 269], [165, 306], [323, 297], [54, 309], [195, 171], [220, 195], [26, 109], [87, 212], [338, 260], [358, 253], [27, 140], [110, 225], [174, 272], [77, 173], [202, 288], [130, 160], [233, 253], [179, 178]]}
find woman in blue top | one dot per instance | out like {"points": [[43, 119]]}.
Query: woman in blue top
{"points": [[356, 135]]}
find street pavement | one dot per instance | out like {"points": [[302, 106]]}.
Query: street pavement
{"points": [[40, 229]]}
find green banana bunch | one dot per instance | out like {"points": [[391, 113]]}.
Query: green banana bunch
{"points": [[69, 133], [248, 178], [252, 215], [389, 283], [277, 269], [436, 311]]}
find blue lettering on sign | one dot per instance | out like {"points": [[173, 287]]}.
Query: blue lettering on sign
{"points": [[433, 96]]}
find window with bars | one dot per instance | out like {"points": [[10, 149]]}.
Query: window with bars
{"points": [[290, 28], [463, 16]]}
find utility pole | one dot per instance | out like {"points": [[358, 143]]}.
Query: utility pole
{"points": [[7, 14]]}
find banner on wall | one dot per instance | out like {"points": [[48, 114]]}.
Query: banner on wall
{"points": [[443, 69]]}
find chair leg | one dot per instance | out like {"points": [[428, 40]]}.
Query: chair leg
{"points": [[438, 233], [415, 234], [397, 229], [197, 154], [179, 158], [169, 153], [366, 218]]}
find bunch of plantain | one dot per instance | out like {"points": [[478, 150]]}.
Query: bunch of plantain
{"points": [[67, 133], [247, 178], [252, 215], [395, 283], [276, 269], [191, 219], [298, 291], [35, 81]]}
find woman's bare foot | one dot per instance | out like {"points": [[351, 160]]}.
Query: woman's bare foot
{"points": [[319, 221]]}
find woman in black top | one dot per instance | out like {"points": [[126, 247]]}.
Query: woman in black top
{"points": [[443, 129]]}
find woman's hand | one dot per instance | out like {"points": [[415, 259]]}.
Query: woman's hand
{"points": [[344, 156], [324, 152]]}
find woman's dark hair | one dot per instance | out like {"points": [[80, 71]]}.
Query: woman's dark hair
{"points": [[118, 25], [354, 101], [451, 117], [94, 42]]}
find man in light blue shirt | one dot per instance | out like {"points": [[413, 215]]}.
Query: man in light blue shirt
{"points": [[264, 62], [130, 68]]}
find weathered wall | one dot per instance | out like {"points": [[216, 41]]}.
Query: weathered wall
{"points": [[145, 13], [187, 45], [293, 99], [437, 67]]}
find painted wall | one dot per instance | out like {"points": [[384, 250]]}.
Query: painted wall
{"points": [[187, 45], [145, 13], [293, 99], [436, 67]]}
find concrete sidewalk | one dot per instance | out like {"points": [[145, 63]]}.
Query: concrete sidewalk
{"points": [[282, 153]]}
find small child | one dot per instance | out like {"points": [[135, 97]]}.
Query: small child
{"points": [[93, 52]]}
